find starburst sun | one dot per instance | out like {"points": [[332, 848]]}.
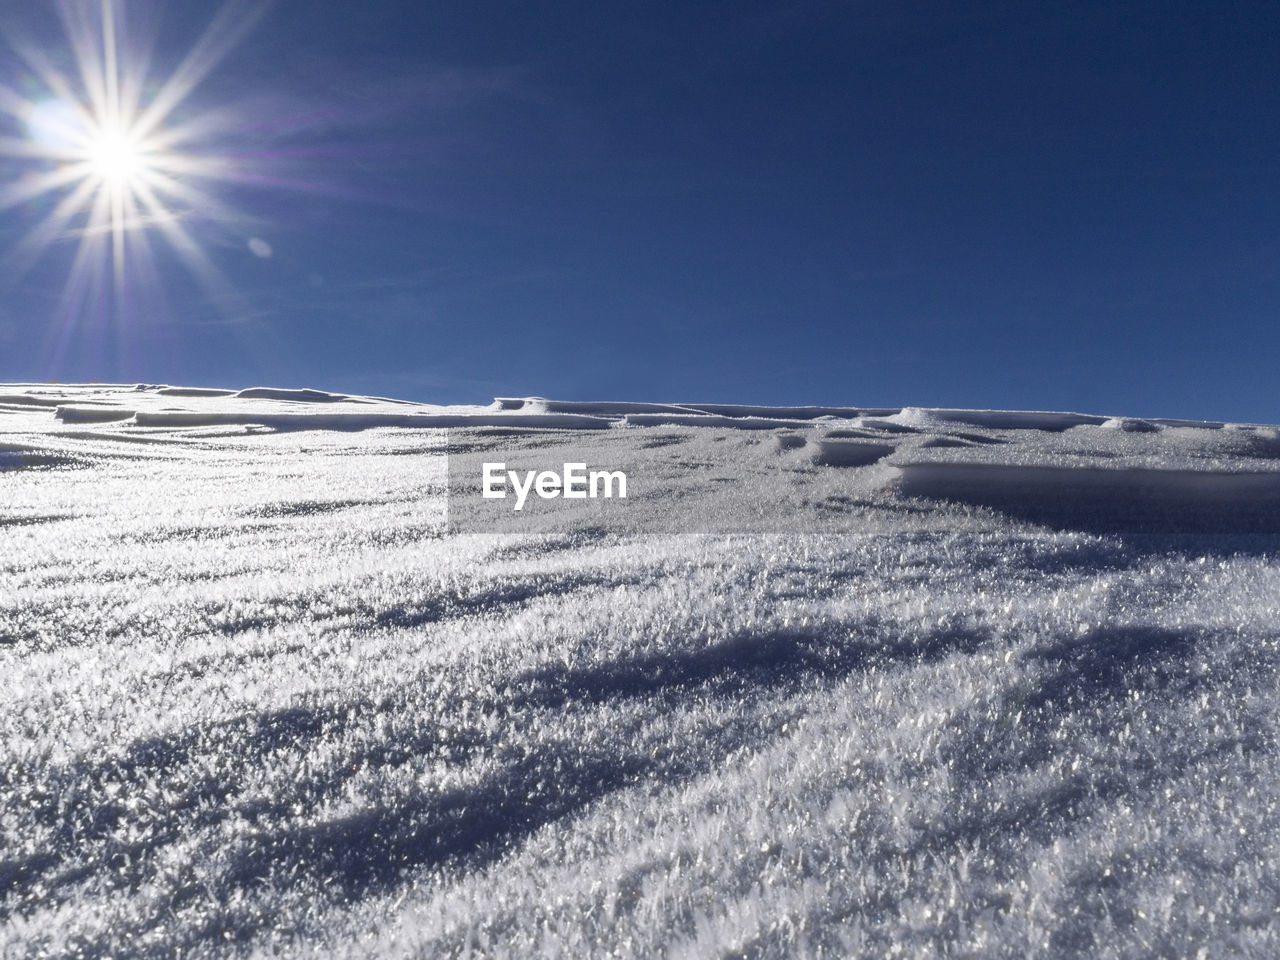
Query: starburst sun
{"points": [[104, 142]]}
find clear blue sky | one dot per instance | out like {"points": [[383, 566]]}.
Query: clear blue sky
{"points": [[1016, 205]]}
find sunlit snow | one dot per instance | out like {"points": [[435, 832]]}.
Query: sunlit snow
{"points": [[863, 681]]}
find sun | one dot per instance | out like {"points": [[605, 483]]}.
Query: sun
{"points": [[117, 158], [105, 145]]}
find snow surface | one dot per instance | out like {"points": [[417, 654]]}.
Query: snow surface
{"points": [[838, 682]]}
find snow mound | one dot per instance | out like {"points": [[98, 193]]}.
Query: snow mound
{"points": [[195, 392], [1130, 425], [997, 419], [294, 396]]}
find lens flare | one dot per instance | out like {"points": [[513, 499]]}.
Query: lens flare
{"points": [[106, 145]]}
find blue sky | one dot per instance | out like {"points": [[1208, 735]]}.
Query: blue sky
{"points": [[982, 204]]}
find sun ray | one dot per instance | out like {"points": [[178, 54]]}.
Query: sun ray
{"points": [[88, 261], [53, 226], [197, 260], [88, 52], [207, 125], [59, 87], [228, 28], [111, 69], [211, 208], [25, 149], [32, 187]]}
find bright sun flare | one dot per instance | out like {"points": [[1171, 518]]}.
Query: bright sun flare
{"points": [[117, 158], [104, 144]]}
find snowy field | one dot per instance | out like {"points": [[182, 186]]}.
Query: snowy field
{"points": [[830, 682]]}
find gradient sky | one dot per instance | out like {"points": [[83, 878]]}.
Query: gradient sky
{"points": [[884, 202]]}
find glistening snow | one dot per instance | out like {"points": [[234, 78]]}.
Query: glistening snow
{"points": [[258, 700]]}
